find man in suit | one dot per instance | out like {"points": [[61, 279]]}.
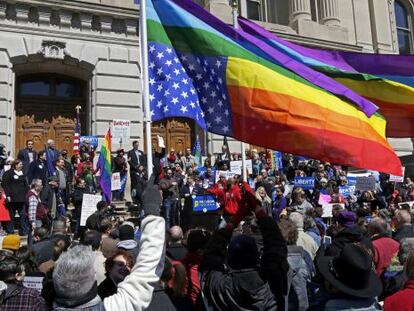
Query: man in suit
{"points": [[136, 158], [27, 155], [187, 191], [38, 168]]}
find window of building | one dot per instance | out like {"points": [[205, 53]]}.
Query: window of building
{"points": [[404, 27], [269, 11]]}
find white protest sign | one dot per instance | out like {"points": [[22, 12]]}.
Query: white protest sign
{"points": [[228, 174], [121, 129], [116, 181], [410, 203], [34, 282], [327, 209], [161, 142], [88, 206], [236, 167], [365, 183], [395, 178]]}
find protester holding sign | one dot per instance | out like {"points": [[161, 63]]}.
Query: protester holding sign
{"points": [[120, 166]]}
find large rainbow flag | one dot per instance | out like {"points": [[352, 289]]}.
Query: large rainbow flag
{"points": [[386, 80], [105, 167], [201, 68]]}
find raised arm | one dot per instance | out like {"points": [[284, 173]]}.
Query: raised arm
{"points": [[135, 292]]}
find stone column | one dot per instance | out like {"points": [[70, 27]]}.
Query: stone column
{"points": [[299, 10], [329, 13]]}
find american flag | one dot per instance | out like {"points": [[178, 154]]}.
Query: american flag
{"points": [[187, 85], [76, 135]]}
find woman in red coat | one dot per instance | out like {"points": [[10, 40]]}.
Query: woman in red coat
{"points": [[403, 300]]}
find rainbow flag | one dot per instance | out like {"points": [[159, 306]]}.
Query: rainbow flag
{"points": [[386, 80], [201, 68], [105, 167]]}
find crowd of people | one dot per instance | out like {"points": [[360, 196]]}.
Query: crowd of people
{"points": [[274, 245]]}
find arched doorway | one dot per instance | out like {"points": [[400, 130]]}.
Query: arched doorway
{"points": [[45, 109]]}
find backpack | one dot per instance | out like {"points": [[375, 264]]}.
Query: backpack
{"points": [[41, 209]]}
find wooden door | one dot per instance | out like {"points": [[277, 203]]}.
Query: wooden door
{"points": [[177, 133], [47, 120]]}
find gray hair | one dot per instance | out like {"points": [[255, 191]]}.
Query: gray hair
{"points": [[50, 141], [74, 272], [35, 182], [297, 219], [406, 246]]}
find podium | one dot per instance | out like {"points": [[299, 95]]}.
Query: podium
{"points": [[204, 212]]}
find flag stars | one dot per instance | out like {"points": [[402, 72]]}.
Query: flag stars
{"points": [[151, 65], [167, 92], [192, 104], [151, 97], [177, 72], [206, 85], [184, 94], [199, 76], [213, 94], [165, 109], [159, 71], [159, 88], [151, 81], [160, 55], [168, 77], [218, 119], [176, 60], [220, 103], [225, 129], [175, 100], [168, 63], [185, 81], [208, 124], [159, 104], [191, 67], [218, 64], [152, 49], [184, 109], [210, 110], [204, 100], [176, 85], [169, 50], [192, 91]]}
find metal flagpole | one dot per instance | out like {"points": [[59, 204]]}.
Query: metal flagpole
{"points": [[243, 145], [145, 85]]}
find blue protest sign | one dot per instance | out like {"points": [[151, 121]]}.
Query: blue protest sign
{"points": [[306, 183], [346, 191], [278, 160], [93, 141], [204, 203], [351, 181]]}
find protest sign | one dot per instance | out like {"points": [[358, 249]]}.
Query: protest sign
{"points": [[327, 209], [351, 181], [116, 181], [88, 206], [121, 130], [228, 174], [204, 203], [394, 178], [237, 166], [346, 191], [306, 183], [93, 141], [365, 183], [410, 203], [324, 199], [34, 282]]}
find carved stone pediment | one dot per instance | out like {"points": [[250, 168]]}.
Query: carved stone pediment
{"points": [[53, 49]]}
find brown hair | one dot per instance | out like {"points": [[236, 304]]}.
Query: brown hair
{"points": [[109, 263], [289, 231]]}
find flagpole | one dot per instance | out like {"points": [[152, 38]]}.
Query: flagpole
{"points": [[243, 145], [145, 86]]}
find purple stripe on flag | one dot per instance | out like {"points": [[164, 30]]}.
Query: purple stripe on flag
{"points": [[253, 44]]}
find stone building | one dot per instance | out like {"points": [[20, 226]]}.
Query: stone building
{"points": [[57, 54]]}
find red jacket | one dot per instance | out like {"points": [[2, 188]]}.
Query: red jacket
{"points": [[402, 300], [193, 288], [229, 198], [385, 249]]}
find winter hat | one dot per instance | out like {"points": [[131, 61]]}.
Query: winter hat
{"points": [[346, 218], [126, 232], [11, 242], [242, 253]]}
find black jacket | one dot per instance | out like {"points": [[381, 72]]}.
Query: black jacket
{"points": [[406, 231], [37, 170], [352, 234], [249, 289], [23, 156], [15, 186], [134, 162]]}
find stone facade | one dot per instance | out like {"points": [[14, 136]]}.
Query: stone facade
{"points": [[97, 41]]}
